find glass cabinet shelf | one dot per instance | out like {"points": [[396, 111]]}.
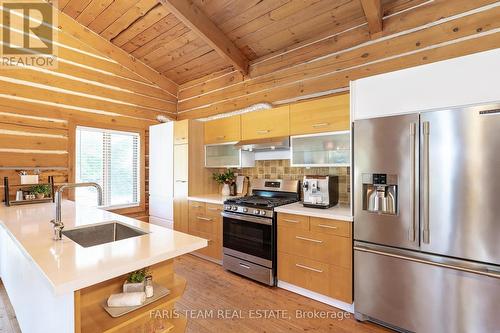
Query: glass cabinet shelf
{"points": [[321, 150], [226, 155]]}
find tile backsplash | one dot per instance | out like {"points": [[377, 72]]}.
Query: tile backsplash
{"points": [[281, 169]]}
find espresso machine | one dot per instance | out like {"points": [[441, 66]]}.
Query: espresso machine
{"points": [[320, 191], [380, 193]]}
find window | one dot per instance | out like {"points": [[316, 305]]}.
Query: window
{"points": [[111, 159]]}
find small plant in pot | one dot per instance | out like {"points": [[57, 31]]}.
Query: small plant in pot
{"points": [[225, 179], [41, 191], [135, 281]]}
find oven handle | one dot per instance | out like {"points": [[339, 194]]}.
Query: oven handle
{"points": [[248, 218]]}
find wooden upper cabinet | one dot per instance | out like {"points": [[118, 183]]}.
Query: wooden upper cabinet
{"points": [[223, 130], [322, 115], [266, 124], [181, 131]]}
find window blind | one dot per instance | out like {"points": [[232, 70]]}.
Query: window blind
{"points": [[111, 159]]}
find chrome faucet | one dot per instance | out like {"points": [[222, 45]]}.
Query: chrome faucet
{"points": [[57, 222]]}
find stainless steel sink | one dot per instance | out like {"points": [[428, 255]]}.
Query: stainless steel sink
{"points": [[102, 233]]}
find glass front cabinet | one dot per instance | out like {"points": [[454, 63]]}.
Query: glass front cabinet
{"points": [[226, 155], [331, 149]]}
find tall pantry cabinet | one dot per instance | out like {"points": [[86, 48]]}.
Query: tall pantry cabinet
{"points": [[190, 175]]}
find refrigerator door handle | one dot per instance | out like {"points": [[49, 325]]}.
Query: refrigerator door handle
{"points": [[413, 166], [486, 271], [425, 204]]}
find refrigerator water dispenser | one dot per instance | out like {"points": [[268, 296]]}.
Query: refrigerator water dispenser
{"points": [[380, 193]]}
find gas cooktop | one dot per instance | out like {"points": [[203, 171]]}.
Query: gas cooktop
{"points": [[260, 201]]}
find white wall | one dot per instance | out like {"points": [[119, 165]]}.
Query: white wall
{"points": [[471, 79]]}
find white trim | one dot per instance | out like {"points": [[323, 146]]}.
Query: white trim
{"points": [[317, 297]]}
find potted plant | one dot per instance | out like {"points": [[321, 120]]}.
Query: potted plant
{"points": [[225, 179], [135, 281], [40, 191]]}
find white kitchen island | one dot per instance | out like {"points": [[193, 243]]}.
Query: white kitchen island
{"points": [[48, 281]]}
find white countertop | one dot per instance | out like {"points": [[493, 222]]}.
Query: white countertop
{"points": [[68, 266], [217, 199], [339, 212]]}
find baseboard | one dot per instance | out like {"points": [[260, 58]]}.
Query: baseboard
{"points": [[317, 297], [202, 256]]}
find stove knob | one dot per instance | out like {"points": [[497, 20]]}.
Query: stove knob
{"points": [[256, 211], [262, 212], [245, 210], [234, 208]]}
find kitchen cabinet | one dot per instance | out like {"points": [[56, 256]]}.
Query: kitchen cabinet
{"points": [[321, 150], [181, 132], [226, 155], [322, 115], [190, 175], [223, 130], [205, 221], [266, 124], [316, 254]]}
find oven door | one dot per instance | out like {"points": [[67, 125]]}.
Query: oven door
{"points": [[249, 238]]}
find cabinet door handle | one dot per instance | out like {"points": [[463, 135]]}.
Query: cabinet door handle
{"points": [[309, 268], [327, 226], [220, 137], [210, 208], [181, 181], [203, 218], [196, 206], [291, 221], [320, 125], [244, 266], [263, 131], [309, 239], [179, 139]]}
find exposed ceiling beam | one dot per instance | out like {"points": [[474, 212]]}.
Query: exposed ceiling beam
{"points": [[71, 27], [373, 13], [194, 18]]}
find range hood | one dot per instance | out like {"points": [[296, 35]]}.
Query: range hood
{"points": [[267, 144]]}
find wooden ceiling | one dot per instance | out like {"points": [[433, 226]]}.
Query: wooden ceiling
{"points": [[155, 34]]}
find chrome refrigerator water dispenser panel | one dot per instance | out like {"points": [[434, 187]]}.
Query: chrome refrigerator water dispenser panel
{"points": [[380, 193]]}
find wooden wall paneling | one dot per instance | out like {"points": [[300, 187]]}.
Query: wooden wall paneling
{"points": [[331, 20], [264, 87], [45, 109], [182, 55], [47, 78], [48, 94], [69, 26], [189, 14], [112, 80], [309, 50]]}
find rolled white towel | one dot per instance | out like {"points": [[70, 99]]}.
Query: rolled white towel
{"points": [[126, 299]]}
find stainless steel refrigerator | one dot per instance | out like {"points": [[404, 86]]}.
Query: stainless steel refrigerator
{"points": [[427, 220]]}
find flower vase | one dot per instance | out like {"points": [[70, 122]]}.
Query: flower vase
{"points": [[226, 191]]}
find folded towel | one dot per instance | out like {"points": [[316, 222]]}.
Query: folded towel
{"points": [[126, 299]]}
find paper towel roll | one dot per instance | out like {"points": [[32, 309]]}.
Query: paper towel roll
{"points": [[126, 299]]}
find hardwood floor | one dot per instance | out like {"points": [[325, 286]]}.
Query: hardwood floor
{"points": [[211, 291], [8, 322], [218, 301]]}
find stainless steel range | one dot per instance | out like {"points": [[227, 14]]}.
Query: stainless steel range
{"points": [[249, 229]]}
